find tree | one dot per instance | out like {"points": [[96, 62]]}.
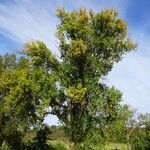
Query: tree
{"points": [[89, 45], [71, 87], [140, 135], [23, 98], [6, 62]]}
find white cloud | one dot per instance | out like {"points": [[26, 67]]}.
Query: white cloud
{"points": [[132, 77], [26, 20]]}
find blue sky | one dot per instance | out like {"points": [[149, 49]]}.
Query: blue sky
{"points": [[23, 20]]}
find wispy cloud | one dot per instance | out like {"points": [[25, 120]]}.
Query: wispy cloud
{"points": [[132, 77], [25, 20]]}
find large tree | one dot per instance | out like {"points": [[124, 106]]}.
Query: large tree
{"points": [[70, 87], [90, 44]]}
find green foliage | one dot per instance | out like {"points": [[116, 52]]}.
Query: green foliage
{"points": [[40, 55], [89, 45], [58, 145], [115, 146], [37, 83], [94, 141], [25, 93], [4, 146], [139, 138]]}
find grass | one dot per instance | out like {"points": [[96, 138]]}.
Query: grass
{"points": [[60, 145], [113, 146]]}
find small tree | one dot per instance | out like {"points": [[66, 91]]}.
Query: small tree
{"points": [[140, 136]]}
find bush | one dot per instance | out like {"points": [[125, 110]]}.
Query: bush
{"points": [[94, 141]]}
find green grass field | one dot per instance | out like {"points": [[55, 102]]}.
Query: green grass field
{"points": [[114, 146], [111, 146]]}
